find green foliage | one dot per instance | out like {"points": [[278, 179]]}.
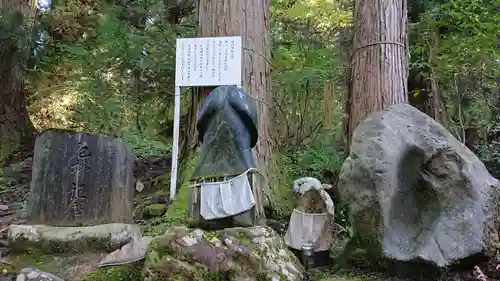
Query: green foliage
{"points": [[466, 61], [281, 197], [306, 60], [489, 153], [105, 75], [308, 71], [321, 155], [310, 160], [472, 42]]}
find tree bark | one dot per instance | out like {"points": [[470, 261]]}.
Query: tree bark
{"points": [[16, 128], [379, 58], [248, 19], [328, 100]]}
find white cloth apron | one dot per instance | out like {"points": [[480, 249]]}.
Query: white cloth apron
{"points": [[227, 198], [309, 228]]}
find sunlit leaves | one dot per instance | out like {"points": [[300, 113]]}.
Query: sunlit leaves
{"points": [[467, 58], [323, 14], [119, 76], [306, 57], [474, 26]]}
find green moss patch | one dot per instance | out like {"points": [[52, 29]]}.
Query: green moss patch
{"points": [[22, 245], [155, 210], [67, 266], [177, 213], [128, 272], [344, 275]]}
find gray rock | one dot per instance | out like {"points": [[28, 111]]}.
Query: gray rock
{"points": [[27, 270], [20, 277], [33, 274], [70, 239], [417, 193]]}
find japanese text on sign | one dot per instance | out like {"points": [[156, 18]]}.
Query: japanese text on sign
{"points": [[79, 168], [210, 61]]}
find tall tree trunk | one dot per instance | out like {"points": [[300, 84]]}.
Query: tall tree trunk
{"points": [[248, 19], [379, 58], [328, 100], [16, 129]]}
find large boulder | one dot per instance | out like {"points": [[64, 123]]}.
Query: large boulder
{"points": [[238, 254], [415, 192]]}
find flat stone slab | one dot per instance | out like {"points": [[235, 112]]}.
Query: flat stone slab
{"points": [[58, 239]]}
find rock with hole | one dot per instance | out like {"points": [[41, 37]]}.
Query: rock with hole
{"points": [[416, 193]]}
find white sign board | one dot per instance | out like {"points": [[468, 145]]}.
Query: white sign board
{"points": [[208, 61]]}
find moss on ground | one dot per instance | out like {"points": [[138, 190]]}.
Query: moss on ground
{"points": [[32, 258], [343, 275], [155, 210], [58, 264], [127, 272], [177, 213]]}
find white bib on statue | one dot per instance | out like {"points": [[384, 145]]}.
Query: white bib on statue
{"points": [[309, 228], [226, 198]]}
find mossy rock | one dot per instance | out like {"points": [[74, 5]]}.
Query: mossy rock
{"points": [[32, 258], [155, 210], [50, 240], [128, 272], [66, 266], [250, 254]]}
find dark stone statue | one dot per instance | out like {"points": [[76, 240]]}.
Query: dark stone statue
{"points": [[227, 126]]}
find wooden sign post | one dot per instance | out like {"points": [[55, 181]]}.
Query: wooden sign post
{"points": [[207, 61]]}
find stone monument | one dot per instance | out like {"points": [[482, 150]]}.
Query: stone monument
{"points": [[226, 187], [81, 183]]}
